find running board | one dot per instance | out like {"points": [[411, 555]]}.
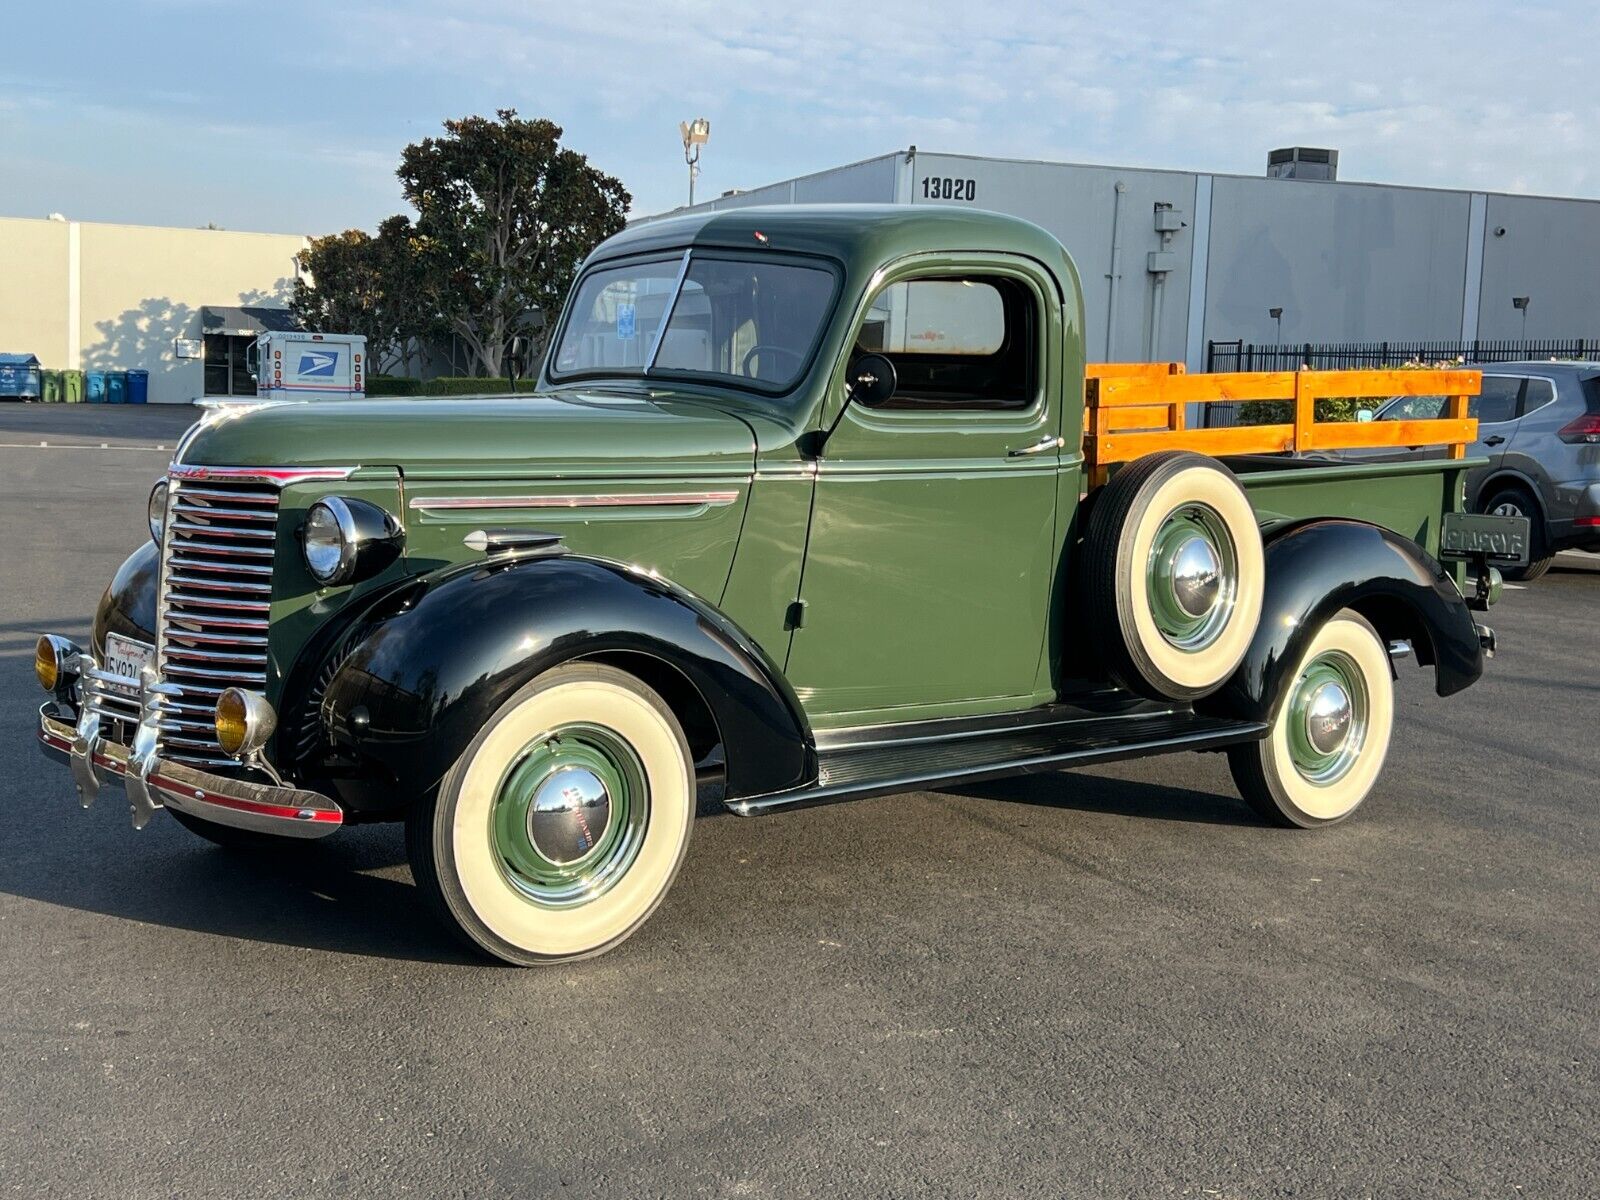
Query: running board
{"points": [[875, 766]]}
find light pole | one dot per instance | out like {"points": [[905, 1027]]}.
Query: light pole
{"points": [[695, 134], [1520, 303], [1277, 319]]}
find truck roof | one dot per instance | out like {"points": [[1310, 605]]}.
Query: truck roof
{"points": [[855, 234]]}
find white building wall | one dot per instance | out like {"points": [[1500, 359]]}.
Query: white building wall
{"points": [[118, 297]]}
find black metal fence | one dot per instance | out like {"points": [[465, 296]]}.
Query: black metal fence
{"points": [[1337, 356], [1343, 356]]}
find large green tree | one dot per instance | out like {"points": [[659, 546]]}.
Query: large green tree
{"points": [[369, 285], [505, 214]]}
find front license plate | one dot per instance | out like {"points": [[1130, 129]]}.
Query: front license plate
{"points": [[1502, 540], [127, 658]]}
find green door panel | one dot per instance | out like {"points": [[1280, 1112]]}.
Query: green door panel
{"points": [[925, 586], [765, 579]]}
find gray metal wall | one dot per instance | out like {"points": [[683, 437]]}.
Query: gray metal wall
{"points": [[1550, 252], [1347, 262]]}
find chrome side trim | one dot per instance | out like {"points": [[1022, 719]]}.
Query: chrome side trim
{"points": [[285, 811], [277, 476], [580, 500]]}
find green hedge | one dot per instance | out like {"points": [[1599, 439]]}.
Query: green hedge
{"points": [[465, 385]]}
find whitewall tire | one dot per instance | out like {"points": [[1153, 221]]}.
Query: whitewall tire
{"points": [[561, 827], [1175, 574], [1330, 734]]}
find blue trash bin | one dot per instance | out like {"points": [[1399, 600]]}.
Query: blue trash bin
{"points": [[138, 387], [20, 378], [94, 387], [116, 387]]}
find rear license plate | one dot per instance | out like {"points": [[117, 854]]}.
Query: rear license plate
{"points": [[127, 658], [1499, 540]]}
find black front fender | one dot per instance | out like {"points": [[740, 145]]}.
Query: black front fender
{"points": [[129, 604], [1317, 568], [437, 658]]}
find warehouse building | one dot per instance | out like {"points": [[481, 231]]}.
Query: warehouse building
{"points": [[1175, 260], [182, 304]]}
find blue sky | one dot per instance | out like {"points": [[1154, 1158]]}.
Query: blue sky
{"points": [[290, 116]]}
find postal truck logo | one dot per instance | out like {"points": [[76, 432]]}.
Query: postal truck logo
{"points": [[318, 362]]}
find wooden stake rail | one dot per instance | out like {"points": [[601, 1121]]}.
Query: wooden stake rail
{"points": [[1134, 409]]}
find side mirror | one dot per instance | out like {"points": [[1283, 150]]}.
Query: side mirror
{"points": [[1364, 414], [872, 380]]}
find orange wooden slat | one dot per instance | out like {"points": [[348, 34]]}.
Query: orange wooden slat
{"points": [[1352, 435], [1382, 384], [1131, 370], [1196, 389], [1151, 416], [1244, 439]]}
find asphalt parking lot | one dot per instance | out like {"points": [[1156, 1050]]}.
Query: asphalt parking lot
{"points": [[1108, 983]]}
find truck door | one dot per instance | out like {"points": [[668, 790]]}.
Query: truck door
{"points": [[926, 579]]}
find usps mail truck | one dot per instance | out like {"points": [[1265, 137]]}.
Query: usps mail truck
{"points": [[310, 366]]}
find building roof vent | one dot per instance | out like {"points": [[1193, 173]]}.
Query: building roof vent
{"points": [[1302, 162]]}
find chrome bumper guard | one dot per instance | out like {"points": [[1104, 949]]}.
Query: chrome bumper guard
{"points": [[152, 782]]}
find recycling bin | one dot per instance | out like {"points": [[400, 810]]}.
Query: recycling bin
{"points": [[72, 387], [95, 390], [50, 387], [19, 377], [116, 387], [138, 387]]}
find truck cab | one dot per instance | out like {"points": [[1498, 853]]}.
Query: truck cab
{"points": [[804, 507]]}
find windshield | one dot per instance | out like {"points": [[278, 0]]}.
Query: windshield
{"points": [[751, 320]]}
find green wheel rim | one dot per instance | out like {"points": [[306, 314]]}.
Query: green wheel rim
{"points": [[569, 815], [1191, 577], [1327, 719]]}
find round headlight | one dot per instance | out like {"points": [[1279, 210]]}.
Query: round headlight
{"points": [[244, 721], [330, 541], [156, 510], [46, 665]]}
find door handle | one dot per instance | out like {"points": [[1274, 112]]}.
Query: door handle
{"points": [[1493, 441], [1039, 447]]}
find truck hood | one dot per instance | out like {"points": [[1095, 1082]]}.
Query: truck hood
{"points": [[560, 434]]}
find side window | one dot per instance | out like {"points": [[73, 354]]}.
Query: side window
{"points": [[1498, 400], [1536, 395], [957, 343], [1413, 408]]}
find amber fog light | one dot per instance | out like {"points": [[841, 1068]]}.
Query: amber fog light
{"points": [[54, 661], [244, 722]]}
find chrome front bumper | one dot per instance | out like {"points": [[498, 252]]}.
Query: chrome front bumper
{"points": [[152, 782]]}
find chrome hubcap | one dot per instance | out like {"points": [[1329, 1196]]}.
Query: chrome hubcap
{"points": [[1191, 577], [1328, 715], [1196, 577], [569, 816], [1327, 719]]}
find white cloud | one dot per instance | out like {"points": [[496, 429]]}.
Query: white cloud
{"points": [[1463, 94]]}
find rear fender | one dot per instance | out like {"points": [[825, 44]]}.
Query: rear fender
{"points": [[437, 658], [1316, 568]]}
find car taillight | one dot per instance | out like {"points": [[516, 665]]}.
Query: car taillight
{"points": [[1585, 429]]}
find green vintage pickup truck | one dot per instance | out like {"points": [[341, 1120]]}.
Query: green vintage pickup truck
{"points": [[802, 505]]}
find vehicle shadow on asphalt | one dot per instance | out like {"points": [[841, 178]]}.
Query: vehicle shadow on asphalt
{"points": [[339, 895], [1115, 797]]}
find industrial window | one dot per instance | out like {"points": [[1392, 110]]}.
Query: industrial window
{"points": [[227, 365], [957, 343]]}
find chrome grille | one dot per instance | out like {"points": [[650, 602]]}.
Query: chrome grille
{"points": [[216, 597]]}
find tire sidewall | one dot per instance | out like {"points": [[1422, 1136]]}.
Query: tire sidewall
{"points": [[1310, 805], [1172, 671], [486, 906]]}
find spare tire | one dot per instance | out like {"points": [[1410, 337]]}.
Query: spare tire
{"points": [[1173, 575]]}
